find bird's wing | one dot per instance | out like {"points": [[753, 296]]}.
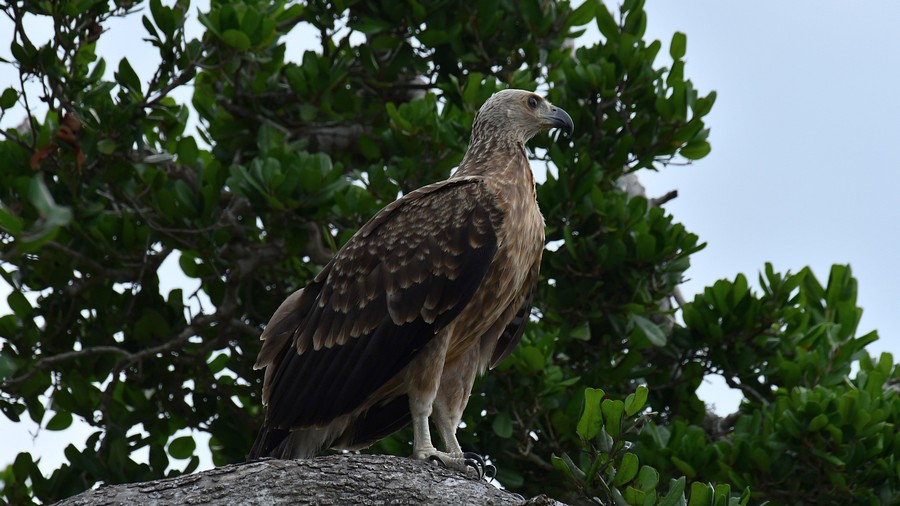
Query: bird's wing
{"points": [[405, 275], [511, 335]]}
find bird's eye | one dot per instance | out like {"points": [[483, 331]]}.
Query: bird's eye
{"points": [[532, 102]]}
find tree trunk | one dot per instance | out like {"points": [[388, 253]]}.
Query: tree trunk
{"points": [[334, 479]]}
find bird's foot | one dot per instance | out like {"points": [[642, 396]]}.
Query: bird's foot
{"points": [[471, 464]]}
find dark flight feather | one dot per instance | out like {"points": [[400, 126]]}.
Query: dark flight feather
{"points": [[512, 334]]}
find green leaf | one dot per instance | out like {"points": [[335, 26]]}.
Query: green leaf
{"points": [[8, 98], [187, 151], [744, 500], [581, 332], [40, 196], [42, 200], [182, 447], [561, 466], [127, 77], [7, 368], [185, 194], [19, 304], [532, 357], [591, 420], [613, 410], [164, 17], [648, 478], [684, 467], [9, 221], [568, 467], [193, 464], [189, 265], [634, 496], [217, 364], [818, 422], [159, 461], [150, 29], [679, 46], [60, 421], [645, 245], [502, 425], [635, 402], [675, 496], [368, 148], [721, 493], [385, 42], [606, 23], [695, 150], [25, 55], [701, 494], [106, 146], [402, 123], [627, 470], [583, 14], [651, 330], [236, 39], [704, 105], [371, 26], [23, 467]]}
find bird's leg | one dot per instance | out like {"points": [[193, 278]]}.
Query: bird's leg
{"points": [[446, 423], [449, 404], [469, 463], [424, 382], [422, 446]]}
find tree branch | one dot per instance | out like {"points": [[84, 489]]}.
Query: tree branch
{"points": [[128, 357], [749, 392], [336, 479]]}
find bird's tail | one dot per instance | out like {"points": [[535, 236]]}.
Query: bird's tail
{"points": [[269, 443], [302, 443]]}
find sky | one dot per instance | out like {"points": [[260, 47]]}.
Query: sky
{"points": [[800, 173], [802, 130]]}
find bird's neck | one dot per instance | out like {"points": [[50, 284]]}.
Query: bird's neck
{"points": [[494, 157], [505, 168]]}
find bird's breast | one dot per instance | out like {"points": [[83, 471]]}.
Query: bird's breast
{"points": [[504, 288]]}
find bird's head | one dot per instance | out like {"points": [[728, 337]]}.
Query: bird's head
{"points": [[520, 114]]}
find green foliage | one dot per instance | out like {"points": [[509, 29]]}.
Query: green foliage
{"points": [[790, 350], [295, 151], [609, 472]]}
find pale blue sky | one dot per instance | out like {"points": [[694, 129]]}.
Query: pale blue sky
{"points": [[806, 117], [800, 173]]}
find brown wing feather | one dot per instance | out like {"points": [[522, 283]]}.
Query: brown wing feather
{"points": [[405, 275], [512, 334]]}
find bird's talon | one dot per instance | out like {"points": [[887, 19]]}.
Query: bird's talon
{"points": [[482, 470], [434, 459], [474, 456]]}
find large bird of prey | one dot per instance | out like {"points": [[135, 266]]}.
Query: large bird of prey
{"points": [[434, 289]]}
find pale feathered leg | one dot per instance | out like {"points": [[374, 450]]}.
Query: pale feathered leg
{"points": [[421, 401], [449, 404]]}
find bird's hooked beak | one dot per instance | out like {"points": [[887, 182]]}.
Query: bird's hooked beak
{"points": [[558, 118]]}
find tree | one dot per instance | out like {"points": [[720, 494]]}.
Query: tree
{"points": [[295, 152]]}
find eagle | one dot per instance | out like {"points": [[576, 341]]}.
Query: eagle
{"points": [[436, 288]]}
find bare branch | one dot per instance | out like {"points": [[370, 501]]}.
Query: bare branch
{"points": [[658, 201], [48, 362], [749, 392]]}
